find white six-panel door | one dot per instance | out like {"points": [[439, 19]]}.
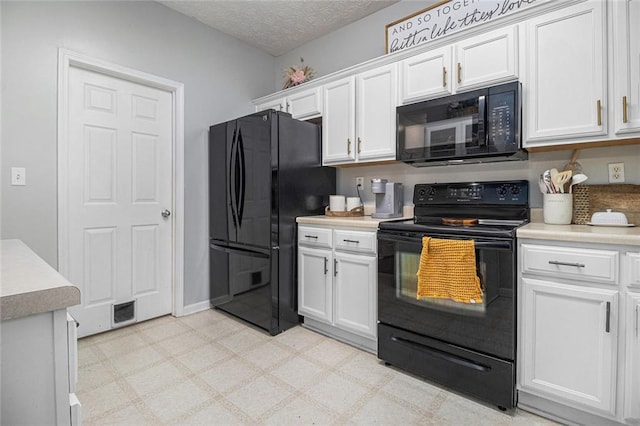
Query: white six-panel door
{"points": [[119, 186]]}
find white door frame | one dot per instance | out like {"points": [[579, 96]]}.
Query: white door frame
{"points": [[68, 59]]}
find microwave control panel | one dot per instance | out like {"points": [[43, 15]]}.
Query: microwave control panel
{"points": [[500, 119]]}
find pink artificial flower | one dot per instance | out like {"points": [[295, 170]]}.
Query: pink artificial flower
{"points": [[298, 77]]}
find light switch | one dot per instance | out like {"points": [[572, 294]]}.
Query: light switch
{"points": [[18, 176]]}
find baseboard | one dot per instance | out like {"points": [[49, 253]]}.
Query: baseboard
{"points": [[360, 342], [559, 412], [195, 307]]}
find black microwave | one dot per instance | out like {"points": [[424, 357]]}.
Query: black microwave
{"points": [[478, 126]]}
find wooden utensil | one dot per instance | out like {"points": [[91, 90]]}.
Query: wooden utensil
{"points": [[456, 221], [560, 178], [573, 165]]}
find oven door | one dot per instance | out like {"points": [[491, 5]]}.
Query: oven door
{"points": [[487, 327]]}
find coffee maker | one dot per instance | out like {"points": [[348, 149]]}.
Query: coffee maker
{"points": [[388, 199]]}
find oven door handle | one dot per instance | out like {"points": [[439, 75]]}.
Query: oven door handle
{"points": [[478, 244], [437, 353]]}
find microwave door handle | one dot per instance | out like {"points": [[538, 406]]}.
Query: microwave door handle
{"points": [[482, 121]]}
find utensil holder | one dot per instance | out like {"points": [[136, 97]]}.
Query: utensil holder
{"points": [[557, 208]]}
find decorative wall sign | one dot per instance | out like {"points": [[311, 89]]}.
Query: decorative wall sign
{"points": [[448, 17]]}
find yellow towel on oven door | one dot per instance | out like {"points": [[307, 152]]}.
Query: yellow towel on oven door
{"points": [[448, 270]]}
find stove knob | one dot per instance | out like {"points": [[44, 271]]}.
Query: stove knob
{"points": [[432, 191], [422, 192], [515, 190], [502, 190]]}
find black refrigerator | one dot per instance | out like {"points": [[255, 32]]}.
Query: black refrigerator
{"points": [[264, 170]]}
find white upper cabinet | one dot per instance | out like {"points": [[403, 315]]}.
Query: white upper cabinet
{"points": [[358, 123], [626, 72], [489, 58], [427, 75], [376, 114], [565, 83], [279, 104], [306, 104], [338, 121], [301, 105]]}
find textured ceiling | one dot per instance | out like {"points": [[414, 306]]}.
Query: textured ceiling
{"points": [[277, 26]]}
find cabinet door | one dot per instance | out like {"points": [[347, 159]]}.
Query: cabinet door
{"points": [[632, 269], [569, 343], [315, 295], [489, 58], [376, 114], [355, 293], [566, 74], [626, 78], [338, 122], [277, 104], [425, 76], [306, 104], [632, 371]]}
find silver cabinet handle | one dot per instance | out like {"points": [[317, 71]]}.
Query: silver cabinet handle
{"points": [[608, 323], [315, 237], [165, 213], [335, 267], [325, 266], [577, 265], [352, 241]]}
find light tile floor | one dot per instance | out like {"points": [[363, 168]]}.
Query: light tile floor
{"points": [[208, 368]]}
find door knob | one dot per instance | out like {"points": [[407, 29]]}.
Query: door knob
{"points": [[165, 213]]}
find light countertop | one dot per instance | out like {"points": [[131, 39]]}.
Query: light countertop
{"points": [[581, 233], [354, 222], [365, 221], [29, 285]]}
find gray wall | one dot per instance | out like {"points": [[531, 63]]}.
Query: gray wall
{"points": [[364, 40], [219, 76]]}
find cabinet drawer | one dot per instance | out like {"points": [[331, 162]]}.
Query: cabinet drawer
{"points": [[571, 262], [357, 241], [316, 237]]}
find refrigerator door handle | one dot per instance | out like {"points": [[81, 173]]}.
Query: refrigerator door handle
{"points": [[242, 177], [232, 182], [237, 250]]}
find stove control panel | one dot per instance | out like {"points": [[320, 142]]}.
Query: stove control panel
{"points": [[503, 192]]}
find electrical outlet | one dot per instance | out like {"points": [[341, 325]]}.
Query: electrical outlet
{"points": [[360, 182], [616, 172], [18, 176]]}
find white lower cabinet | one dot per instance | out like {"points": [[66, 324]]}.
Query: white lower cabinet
{"points": [[578, 344], [355, 299], [632, 388], [337, 283], [315, 290], [39, 370], [569, 342]]}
